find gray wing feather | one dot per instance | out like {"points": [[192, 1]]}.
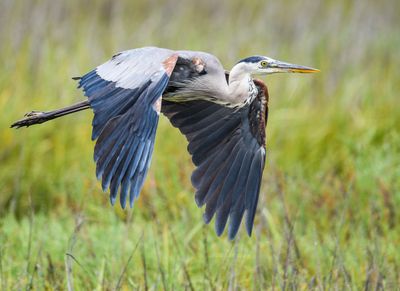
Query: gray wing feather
{"points": [[132, 68]]}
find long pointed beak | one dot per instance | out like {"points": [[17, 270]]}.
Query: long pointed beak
{"points": [[283, 67]]}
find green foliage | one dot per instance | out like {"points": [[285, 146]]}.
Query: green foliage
{"points": [[327, 216]]}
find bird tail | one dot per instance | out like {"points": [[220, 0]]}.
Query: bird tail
{"points": [[37, 117]]}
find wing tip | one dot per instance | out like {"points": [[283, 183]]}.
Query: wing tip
{"points": [[112, 200], [250, 222], [232, 233], [206, 218], [219, 228], [249, 229], [199, 201], [122, 201]]}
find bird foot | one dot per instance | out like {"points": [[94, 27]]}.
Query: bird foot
{"points": [[30, 118], [34, 113]]}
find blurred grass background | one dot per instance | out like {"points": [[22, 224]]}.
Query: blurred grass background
{"points": [[328, 212]]}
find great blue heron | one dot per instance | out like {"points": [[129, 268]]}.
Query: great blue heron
{"points": [[222, 114]]}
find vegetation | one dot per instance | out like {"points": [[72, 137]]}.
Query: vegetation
{"points": [[328, 213]]}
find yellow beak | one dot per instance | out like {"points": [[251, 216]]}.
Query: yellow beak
{"points": [[283, 67]]}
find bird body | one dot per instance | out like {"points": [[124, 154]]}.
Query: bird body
{"points": [[222, 114]]}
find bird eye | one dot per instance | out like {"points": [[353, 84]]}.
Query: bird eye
{"points": [[264, 64]]}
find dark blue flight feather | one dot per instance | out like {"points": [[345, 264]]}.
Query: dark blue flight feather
{"points": [[124, 125], [228, 147]]}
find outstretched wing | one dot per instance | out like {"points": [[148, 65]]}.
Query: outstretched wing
{"points": [[228, 149], [125, 95]]}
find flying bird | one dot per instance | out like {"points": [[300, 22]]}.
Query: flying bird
{"points": [[223, 115]]}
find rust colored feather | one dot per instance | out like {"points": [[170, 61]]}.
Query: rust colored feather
{"points": [[169, 64], [262, 112]]}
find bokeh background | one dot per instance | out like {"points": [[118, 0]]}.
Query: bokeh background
{"points": [[328, 215]]}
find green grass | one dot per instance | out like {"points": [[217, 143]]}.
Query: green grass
{"points": [[328, 211]]}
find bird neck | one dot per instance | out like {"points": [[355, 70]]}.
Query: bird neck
{"points": [[241, 86]]}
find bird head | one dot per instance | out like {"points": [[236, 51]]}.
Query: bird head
{"points": [[260, 65]]}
